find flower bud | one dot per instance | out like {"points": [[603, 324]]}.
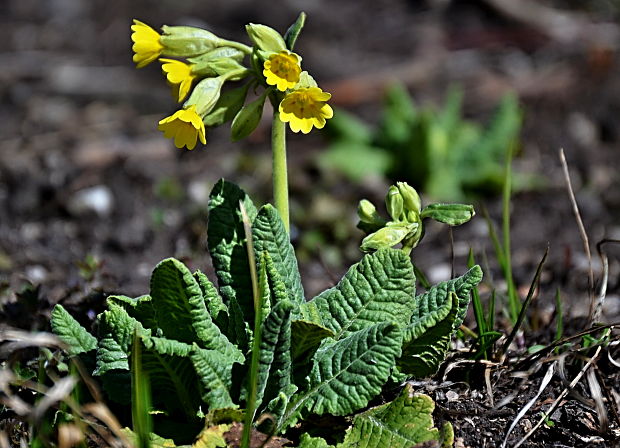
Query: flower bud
{"points": [[384, 238], [205, 95], [265, 38], [187, 41], [394, 203], [411, 198]]}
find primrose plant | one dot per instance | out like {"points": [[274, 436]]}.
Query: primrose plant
{"points": [[253, 354]]}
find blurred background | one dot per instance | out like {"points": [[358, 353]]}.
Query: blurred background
{"points": [[433, 92]]}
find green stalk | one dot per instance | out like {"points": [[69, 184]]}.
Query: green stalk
{"points": [[250, 407], [514, 304], [280, 175]]}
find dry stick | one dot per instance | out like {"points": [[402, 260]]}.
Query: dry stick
{"points": [[562, 395], [543, 385], [603, 291], [582, 232]]}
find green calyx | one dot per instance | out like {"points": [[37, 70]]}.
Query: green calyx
{"points": [[404, 207]]}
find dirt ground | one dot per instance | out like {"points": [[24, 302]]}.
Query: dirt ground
{"points": [[92, 196]]}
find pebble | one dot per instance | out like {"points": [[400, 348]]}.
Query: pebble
{"points": [[98, 199]]}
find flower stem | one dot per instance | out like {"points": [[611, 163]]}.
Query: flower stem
{"points": [[280, 175]]}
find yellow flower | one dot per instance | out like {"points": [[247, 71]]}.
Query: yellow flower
{"points": [[146, 44], [180, 75], [304, 108], [185, 126], [282, 70]]}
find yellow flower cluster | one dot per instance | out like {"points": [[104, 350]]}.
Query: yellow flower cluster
{"points": [[303, 107], [198, 62]]}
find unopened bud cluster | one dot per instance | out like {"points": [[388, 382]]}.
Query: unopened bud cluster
{"points": [[405, 226]]}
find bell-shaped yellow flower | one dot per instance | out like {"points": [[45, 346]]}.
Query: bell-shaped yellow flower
{"points": [[304, 108], [282, 70], [185, 126], [146, 44], [179, 75]]}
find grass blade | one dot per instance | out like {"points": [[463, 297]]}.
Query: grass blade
{"points": [[140, 397]]}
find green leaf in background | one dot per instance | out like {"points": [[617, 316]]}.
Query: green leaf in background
{"points": [[405, 422], [380, 288], [71, 332], [214, 371], [351, 371], [247, 118], [438, 295], [451, 214], [227, 246], [291, 35], [426, 342], [269, 235], [356, 160], [347, 126]]}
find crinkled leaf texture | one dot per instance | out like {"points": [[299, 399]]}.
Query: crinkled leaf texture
{"points": [[403, 423], [270, 236], [380, 288], [71, 332], [348, 373]]}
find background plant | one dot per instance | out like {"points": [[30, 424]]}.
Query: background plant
{"points": [[437, 151]]}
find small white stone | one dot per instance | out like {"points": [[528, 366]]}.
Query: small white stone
{"points": [[98, 199]]}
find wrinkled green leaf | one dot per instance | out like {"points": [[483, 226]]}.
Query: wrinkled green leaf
{"points": [[405, 422], [426, 342], [274, 371], [307, 441], [269, 235], [214, 371], [181, 311], [227, 245], [451, 214], [140, 308], [215, 305], [439, 295], [306, 338], [71, 332], [351, 371], [380, 288]]}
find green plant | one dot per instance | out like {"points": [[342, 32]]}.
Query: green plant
{"points": [[447, 157], [330, 355]]}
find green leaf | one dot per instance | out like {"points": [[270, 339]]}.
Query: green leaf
{"points": [[212, 437], [380, 288], [215, 305], [451, 214], [140, 308], [306, 337], [227, 245], [71, 332], [348, 373], [274, 371], [405, 422], [168, 365], [215, 373], [116, 329], [269, 235], [291, 35], [155, 440], [181, 311], [439, 295], [247, 118], [426, 342], [307, 441]]}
